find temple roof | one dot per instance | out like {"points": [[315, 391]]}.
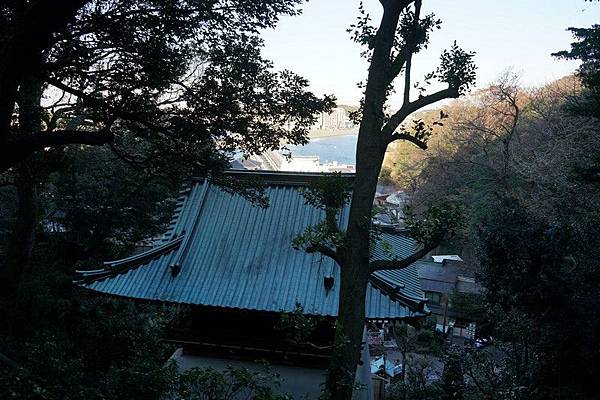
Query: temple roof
{"points": [[222, 251]]}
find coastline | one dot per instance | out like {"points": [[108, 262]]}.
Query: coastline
{"points": [[321, 133]]}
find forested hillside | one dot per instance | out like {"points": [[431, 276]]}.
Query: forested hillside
{"points": [[523, 164]]}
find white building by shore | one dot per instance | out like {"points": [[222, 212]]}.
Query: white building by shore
{"points": [[274, 161]]}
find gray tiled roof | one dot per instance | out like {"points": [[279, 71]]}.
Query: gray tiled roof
{"points": [[435, 277]]}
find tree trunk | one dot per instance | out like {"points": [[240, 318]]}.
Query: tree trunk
{"points": [[355, 272], [30, 32], [20, 247], [348, 340], [373, 138], [18, 255]]}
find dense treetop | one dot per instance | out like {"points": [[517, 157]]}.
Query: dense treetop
{"points": [[153, 79]]}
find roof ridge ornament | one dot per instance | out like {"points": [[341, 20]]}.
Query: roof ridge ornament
{"points": [[175, 270]]}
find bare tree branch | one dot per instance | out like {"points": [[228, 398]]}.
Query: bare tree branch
{"points": [[56, 138], [383, 43], [18, 147], [411, 45], [323, 249], [409, 138], [409, 108], [377, 265]]}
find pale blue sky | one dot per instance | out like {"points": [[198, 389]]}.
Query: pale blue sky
{"points": [[504, 33]]}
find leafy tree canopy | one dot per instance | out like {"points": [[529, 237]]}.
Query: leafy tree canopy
{"points": [[167, 84]]}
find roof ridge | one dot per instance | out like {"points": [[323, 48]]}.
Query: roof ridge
{"points": [[191, 227], [179, 205], [281, 177]]}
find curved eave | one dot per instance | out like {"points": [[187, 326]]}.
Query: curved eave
{"points": [[396, 294], [123, 265]]}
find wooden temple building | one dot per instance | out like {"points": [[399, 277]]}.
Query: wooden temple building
{"points": [[232, 263]]}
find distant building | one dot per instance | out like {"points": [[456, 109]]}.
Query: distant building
{"points": [[446, 258], [338, 118], [274, 161], [440, 281]]}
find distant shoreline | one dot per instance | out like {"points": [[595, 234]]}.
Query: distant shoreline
{"points": [[321, 133]]}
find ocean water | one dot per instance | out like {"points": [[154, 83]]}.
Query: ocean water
{"points": [[333, 148]]}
